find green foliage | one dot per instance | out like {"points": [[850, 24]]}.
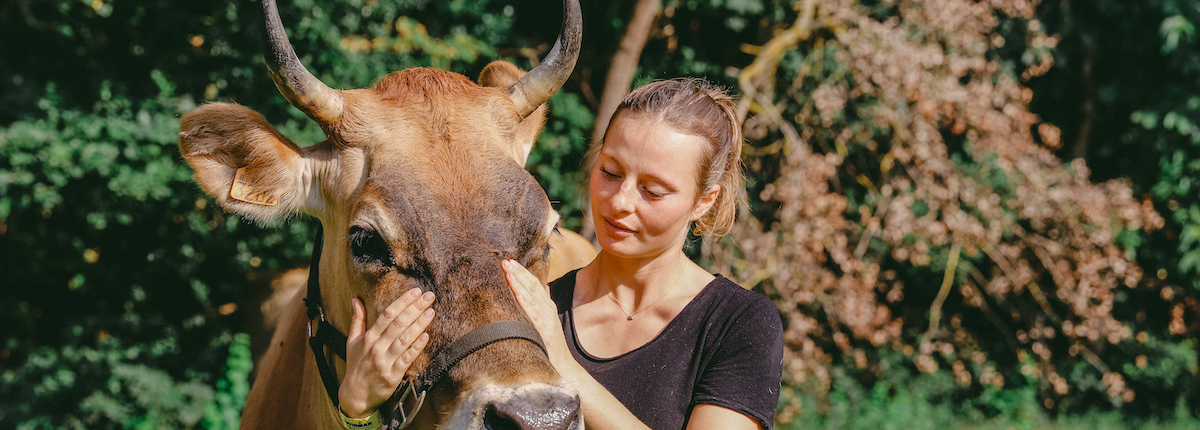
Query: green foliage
{"points": [[1176, 30], [1136, 64], [904, 409], [225, 411], [557, 158], [1123, 91], [101, 216], [107, 384], [906, 400], [114, 385], [878, 156]]}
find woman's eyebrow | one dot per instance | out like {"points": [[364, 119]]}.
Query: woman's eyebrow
{"points": [[605, 157]]}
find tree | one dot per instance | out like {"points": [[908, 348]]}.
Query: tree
{"points": [[910, 205], [1123, 88]]}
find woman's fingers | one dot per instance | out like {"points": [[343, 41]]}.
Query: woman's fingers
{"points": [[378, 356], [408, 314], [517, 282], [408, 339], [393, 311], [358, 319], [534, 299], [520, 279], [409, 356], [531, 294]]}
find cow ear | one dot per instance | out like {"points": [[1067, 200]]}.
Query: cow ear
{"points": [[502, 74], [243, 162]]}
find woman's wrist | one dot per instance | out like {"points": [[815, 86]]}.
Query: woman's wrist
{"points": [[354, 410], [370, 422], [575, 375]]}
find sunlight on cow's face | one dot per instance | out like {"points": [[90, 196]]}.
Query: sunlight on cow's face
{"points": [[433, 194], [440, 203], [420, 185]]}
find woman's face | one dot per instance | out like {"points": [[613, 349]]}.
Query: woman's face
{"points": [[644, 187]]}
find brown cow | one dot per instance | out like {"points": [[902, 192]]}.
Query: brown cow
{"points": [[419, 184]]}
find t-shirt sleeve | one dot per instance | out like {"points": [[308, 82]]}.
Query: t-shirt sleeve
{"points": [[744, 372]]}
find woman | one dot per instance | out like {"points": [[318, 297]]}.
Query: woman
{"points": [[649, 338]]}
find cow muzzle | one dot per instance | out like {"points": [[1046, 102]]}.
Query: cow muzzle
{"points": [[526, 407]]}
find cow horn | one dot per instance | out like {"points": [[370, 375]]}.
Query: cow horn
{"points": [[543, 81], [304, 91]]}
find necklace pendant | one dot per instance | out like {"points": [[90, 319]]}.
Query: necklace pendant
{"points": [[630, 317]]}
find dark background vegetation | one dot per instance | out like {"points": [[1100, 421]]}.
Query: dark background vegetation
{"points": [[125, 293]]}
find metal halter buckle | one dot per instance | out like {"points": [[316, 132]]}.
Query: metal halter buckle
{"points": [[407, 418], [314, 322]]}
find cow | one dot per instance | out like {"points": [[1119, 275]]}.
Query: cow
{"points": [[419, 183]]}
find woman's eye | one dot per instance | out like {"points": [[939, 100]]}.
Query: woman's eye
{"points": [[608, 174], [652, 194]]}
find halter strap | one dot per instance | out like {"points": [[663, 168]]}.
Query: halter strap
{"points": [[473, 341], [325, 335]]}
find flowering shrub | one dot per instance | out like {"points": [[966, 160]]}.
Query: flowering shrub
{"points": [[907, 200]]}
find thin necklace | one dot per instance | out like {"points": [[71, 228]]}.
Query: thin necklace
{"points": [[630, 315]]}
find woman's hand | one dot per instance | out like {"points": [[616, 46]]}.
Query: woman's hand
{"points": [[377, 358], [595, 400], [534, 298]]}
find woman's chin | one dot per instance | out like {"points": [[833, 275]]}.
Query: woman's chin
{"points": [[619, 246]]}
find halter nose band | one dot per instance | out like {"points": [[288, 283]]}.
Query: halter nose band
{"points": [[474, 340]]}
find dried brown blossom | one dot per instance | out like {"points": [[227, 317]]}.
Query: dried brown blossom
{"points": [[918, 142]]}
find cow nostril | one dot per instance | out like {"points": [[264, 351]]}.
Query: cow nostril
{"points": [[533, 411], [495, 420]]}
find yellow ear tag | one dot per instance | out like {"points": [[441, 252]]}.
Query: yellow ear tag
{"points": [[243, 189]]}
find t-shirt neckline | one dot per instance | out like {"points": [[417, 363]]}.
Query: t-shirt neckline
{"points": [[674, 321]]}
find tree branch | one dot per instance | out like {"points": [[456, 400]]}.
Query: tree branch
{"points": [[757, 77], [620, 76], [624, 63]]}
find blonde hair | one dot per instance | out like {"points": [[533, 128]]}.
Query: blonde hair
{"points": [[696, 107]]}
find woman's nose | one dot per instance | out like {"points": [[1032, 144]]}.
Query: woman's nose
{"points": [[622, 200]]}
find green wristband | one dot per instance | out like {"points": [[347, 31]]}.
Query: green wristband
{"points": [[372, 422]]}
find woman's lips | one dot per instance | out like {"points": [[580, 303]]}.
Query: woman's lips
{"points": [[617, 229]]}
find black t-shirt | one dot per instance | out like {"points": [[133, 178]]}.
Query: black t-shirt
{"points": [[725, 348]]}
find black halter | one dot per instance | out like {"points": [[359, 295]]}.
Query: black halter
{"points": [[322, 334]]}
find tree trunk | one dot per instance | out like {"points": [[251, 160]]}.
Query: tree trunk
{"points": [[1089, 99], [620, 76]]}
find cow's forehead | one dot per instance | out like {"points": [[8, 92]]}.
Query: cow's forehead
{"points": [[415, 111], [438, 175], [457, 200]]}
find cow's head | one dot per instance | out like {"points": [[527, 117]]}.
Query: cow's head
{"points": [[419, 184]]}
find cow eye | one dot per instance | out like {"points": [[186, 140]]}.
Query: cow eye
{"points": [[546, 251], [536, 254], [369, 247]]}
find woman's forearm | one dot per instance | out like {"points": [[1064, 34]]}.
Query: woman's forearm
{"points": [[601, 411]]}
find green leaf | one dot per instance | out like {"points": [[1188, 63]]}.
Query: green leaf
{"points": [[1176, 30]]}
